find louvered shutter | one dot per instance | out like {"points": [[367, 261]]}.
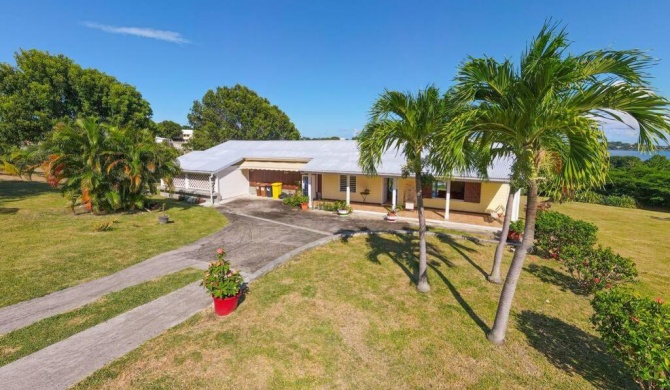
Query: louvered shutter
{"points": [[473, 192]]}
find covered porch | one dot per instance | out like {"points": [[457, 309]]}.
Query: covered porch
{"points": [[432, 214]]}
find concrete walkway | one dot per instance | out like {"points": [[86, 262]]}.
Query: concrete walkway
{"points": [[255, 243]]}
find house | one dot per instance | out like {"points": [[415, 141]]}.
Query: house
{"points": [[329, 170], [186, 134]]}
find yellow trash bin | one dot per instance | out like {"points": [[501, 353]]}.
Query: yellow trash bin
{"points": [[276, 190]]}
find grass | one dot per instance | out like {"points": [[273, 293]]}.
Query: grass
{"points": [[347, 315], [52, 249], [24, 341], [640, 234]]}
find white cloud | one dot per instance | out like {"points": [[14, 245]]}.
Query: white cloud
{"points": [[162, 35]]}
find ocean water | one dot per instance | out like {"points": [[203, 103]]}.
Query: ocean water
{"points": [[642, 156]]}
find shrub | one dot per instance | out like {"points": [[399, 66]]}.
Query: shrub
{"points": [[624, 201], [597, 268], [295, 200], [635, 330], [554, 231], [328, 206], [516, 230]]}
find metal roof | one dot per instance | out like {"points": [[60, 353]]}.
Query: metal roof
{"points": [[324, 157]]}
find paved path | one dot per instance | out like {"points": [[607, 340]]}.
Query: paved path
{"points": [[257, 240]]}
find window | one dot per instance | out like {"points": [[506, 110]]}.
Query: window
{"points": [[458, 190], [352, 183], [439, 190]]}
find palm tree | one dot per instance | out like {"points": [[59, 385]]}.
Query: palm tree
{"points": [[413, 125], [548, 109], [104, 167]]}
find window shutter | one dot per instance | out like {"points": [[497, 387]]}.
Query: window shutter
{"points": [[473, 192], [427, 191], [343, 183], [352, 184]]}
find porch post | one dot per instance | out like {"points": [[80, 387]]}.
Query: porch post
{"points": [[186, 180], [516, 206], [394, 194], [447, 200], [309, 190], [348, 190], [383, 192]]}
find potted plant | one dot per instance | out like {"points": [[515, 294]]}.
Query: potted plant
{"points": [[224, 284], [163, 218], [392, 212], [297, 200], [342, 208], [365, 193], [516, 231]]}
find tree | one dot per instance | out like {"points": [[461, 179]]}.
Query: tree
{"points": [[106, 168], [168, 129], [237, 113], [548, 108], [415, 125], [43, 89]]}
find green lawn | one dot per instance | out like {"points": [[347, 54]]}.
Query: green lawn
{"points": [[347, 315], [32, 338], [46, 248]]}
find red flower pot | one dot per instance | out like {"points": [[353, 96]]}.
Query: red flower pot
{"points": [[304, 206], [225, 306]]}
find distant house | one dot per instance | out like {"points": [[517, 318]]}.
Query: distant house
{"points": [[186, 134], [329, 170]]}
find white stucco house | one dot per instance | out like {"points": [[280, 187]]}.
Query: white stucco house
{"points": [[329, 170]]}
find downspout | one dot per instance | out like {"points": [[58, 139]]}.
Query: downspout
{"points": [[211, 188]]}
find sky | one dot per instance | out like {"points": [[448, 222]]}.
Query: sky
{"points": [[322, 62]]}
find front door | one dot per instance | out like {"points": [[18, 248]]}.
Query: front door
{"points": [[389, 190]]}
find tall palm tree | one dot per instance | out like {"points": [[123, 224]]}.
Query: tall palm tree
{"points": [[548, 108], [413, 125]]}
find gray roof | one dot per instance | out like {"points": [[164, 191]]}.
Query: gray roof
{"points": [[323, 157]]}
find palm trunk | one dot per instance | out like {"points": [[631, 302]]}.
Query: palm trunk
{"points": [[422, 281], [494, 277], [497, 334]]}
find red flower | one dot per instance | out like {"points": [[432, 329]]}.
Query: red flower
{"points": [[634, 319], [219, 251], [597, 280], [659, 300], [586, 263], [608, 285]]}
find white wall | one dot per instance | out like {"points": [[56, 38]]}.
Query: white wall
{"points": [[232, 182]]}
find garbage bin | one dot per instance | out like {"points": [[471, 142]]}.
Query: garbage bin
{"points": [[262, 191], [258, 190], [276, 190], [268, 191]]}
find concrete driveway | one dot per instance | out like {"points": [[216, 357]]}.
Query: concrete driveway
{"points": [[260, 230]]}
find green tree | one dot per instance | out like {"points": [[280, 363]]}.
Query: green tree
{"points": [[237, 113], [414, 125], [168, 129], [548, 108], [44, 89], [106, 168]]}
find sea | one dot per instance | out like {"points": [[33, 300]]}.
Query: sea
{"points": [[642, 156]]}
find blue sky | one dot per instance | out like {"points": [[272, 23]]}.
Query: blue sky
{"points": [[323, 63]]}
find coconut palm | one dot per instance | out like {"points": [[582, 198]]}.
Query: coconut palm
{"points": [[414, 125], [548, 110]]}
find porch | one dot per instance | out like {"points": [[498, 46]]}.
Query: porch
{"points": [[431, 214]]}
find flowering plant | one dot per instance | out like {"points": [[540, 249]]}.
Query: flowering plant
{"points": [[220, 279]]}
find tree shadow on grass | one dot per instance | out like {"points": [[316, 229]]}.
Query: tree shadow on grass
{"points": [[557, 278], [462, 250], [403, 253], [574, 351], [15, 190]]}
